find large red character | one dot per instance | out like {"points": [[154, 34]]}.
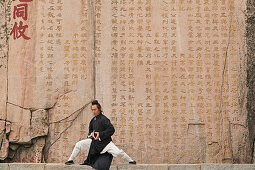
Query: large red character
{"points": [[19, 31], [20, 11]]}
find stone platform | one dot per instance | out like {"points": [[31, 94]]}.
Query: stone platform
{"points": [[51, 166]]}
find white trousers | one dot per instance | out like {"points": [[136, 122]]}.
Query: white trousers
{"points": [[111, 148]]}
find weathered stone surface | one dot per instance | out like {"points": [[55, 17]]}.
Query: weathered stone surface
{"points": [[171, 66], [3, 140], [39, 123], [143, 167], [227, 167], [25, 124], [4, 147], [5, 18], [64, 127], [29, 153], [51, 80], [53, 166], [171, 75], [185, 167], [24, 82], [65, 167], [71, 74], [113, 167], [31, 166], [14, 146], [2, 129], [4, 166], [250, 35], [197, 142], [20, 124]]}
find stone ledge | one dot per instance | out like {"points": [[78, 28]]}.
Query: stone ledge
{"points": [[57, 166], [228, 166]]}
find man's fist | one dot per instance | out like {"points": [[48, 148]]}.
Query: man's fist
{"points": [[95, 135]]}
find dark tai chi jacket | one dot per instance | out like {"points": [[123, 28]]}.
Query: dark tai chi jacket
{"points": [[101, 124]]}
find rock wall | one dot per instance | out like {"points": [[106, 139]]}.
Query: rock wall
{"points": [[174, 76], [250, 35]]}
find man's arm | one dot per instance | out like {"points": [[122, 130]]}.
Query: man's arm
{"points": [[109, 131], [90, 129]]}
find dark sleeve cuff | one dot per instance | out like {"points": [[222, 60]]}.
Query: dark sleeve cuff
{"points": [[101, 135]]}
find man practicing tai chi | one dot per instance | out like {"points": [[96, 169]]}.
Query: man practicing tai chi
{"points": [[99, 139]]}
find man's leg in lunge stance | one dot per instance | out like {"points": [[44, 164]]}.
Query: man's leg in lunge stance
{"points": [[80, 146], [116, 152]]}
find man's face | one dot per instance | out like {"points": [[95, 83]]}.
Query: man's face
{"points": [[95, 110]]}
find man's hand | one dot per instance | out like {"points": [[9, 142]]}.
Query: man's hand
{"points": [[93, 135], [97, 135]]}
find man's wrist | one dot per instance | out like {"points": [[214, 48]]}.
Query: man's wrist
{"points": [[90, 136], [99, 136]]}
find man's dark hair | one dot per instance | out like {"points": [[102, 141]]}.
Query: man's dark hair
{"points": [[95, 102]]}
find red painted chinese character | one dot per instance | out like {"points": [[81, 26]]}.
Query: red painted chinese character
{"points": [[19, 31], [20, 11]]}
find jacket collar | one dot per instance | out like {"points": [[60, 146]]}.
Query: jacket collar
{"points": [[99, 115]]}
